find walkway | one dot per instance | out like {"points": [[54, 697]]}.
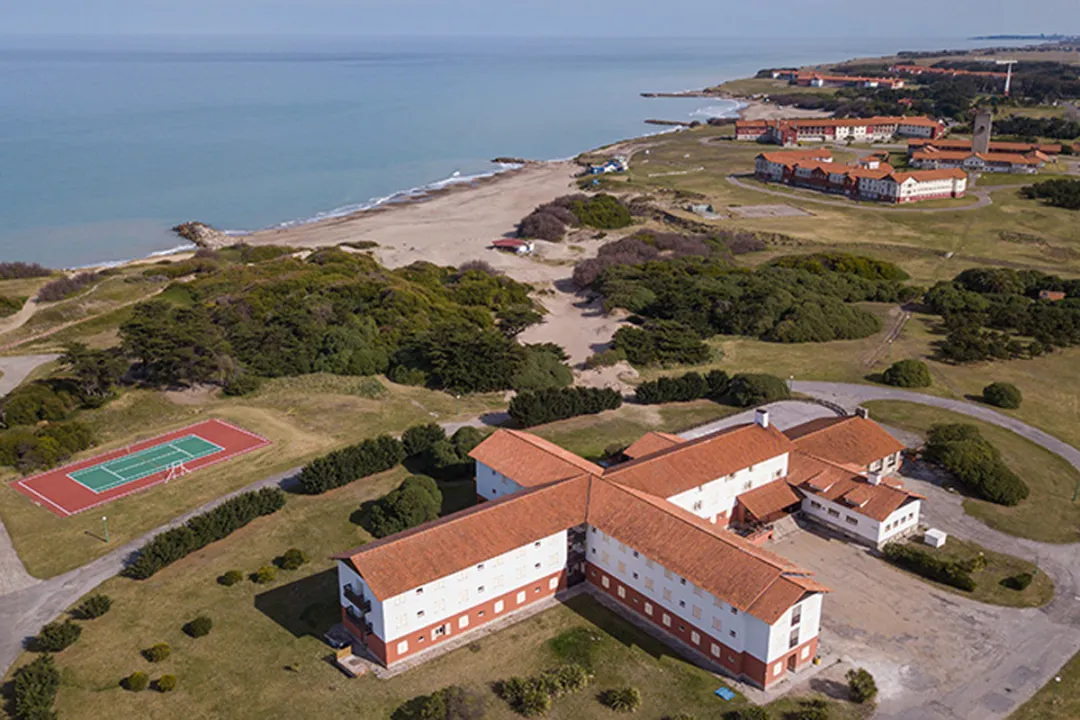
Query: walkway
{"points": [[16, 368], [983, 195]]}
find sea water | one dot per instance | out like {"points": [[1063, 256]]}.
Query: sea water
{"points": [[106, 143]]}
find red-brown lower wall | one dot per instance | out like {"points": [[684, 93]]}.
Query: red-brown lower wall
{"points": [[479, 615], [735, 662]]}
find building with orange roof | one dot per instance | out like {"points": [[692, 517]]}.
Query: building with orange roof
{"points": [[792, 131], [658, 535], [1049, 149], [930, 157]]}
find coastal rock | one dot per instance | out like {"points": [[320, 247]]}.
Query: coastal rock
{"points": [[510, 161], [203, 235]]}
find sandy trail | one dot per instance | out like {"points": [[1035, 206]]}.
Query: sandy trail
{"points": [[16, 321]]}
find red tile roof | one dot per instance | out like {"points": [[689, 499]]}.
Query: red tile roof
{"points": [[768, 499], [816, 476], [852, 439], [530, 460], [650, 443]]}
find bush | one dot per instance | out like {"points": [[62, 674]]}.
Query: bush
{"points": [[66, 286], [531, 696], [861, 685], [962, 450], [690, 386], [544, 406], [907, 374], [624, 700], [602, 211], [1003, 395], [22, 270], [198, 532], [751, 712], [403, 375], [202, 625], [605, 358], [57, 635], [343, 466], [157, 652], [93, 607], [166, 683], [541, 369], [292, 559], [34, 692], [32, 403], [1018, 582], [922, 562], [450, 703], [264, 575], [419, 438], [662, 342], [230, 578], [749, 389], [241, 383], [417, 500], [136, 681]]}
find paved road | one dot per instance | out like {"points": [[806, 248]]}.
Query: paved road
{"points": [[15, 369], [983, 195]]}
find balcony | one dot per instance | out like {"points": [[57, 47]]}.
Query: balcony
{"points": [[358, 600]]}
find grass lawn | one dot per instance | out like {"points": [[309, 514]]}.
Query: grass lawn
{"points": [[304, 417], [264, 657], [988, 581], [1055, 701], [1049, 514]]}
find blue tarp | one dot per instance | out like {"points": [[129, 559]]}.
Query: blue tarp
{"points": [[725, 693]]}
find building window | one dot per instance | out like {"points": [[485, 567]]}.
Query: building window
{"points": [[420, 614], [698, 505], [715, 650], [605, 582], [834, 513], [815, 504], [682, 628], [622, 567], [697, 591], [796, 615], [648, 608], [682, 581], [594, 551], [649, 584], [463, 621], [604, 557], [419, 591], [419, 638], [731, 633], [695, 638], [734, 611], [667, 573], [805, 652], [682, 603], [536, 544], [439, 631], [480, 589], [667, 594], [778, 668], [553, 583], [521, 597], [537, 566], [403, 647], [480, 566], [648, 563], [499, 606], [666, 620], [637, 554], [636, 576], [622, 548], [622, 592], [480, 614], [716, 624], [793, 640], [696, 612]]}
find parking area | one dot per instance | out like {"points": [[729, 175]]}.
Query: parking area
{"points": [[934, 655]]}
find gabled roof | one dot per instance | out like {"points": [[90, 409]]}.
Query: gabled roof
{"points": [[674, 470], [530, 460], [436, 549], [721, 563], [816, 476], [651, 442], [852, 440], [768, 499]]}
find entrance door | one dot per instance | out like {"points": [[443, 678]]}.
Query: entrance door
{"points": [[791, 661]]}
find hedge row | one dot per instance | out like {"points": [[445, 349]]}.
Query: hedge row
{"points": [[201, 530], [921, 562], [690, 386], [343, 466], [544, 406]]}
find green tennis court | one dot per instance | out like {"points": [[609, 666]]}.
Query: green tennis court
{"points": [[157, 458]]}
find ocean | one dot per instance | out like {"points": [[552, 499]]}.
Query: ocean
{"points": [[107, 143]]}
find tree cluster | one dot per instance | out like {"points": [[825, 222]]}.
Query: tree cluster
{"points": [[690, 386], [954, 573], [450, 703], [1030, 127], [660, 342], [970, 458], [438, 455], [907, 374], [22, 270], [1060, 192], [57, 636], [34, 448], [34, 689], [751, 389], [544, 406], [65, 287], [550, 220], [343, 466], [986, 311], [532, 696], [198, 532], [417, 500], [808, 303]]}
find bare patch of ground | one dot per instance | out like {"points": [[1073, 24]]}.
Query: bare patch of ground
{"points": [[767, 211]]}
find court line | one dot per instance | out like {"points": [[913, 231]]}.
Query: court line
{"points": [[35, 492]]}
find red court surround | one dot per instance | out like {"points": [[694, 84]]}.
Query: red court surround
{"points": [[57, 492]]}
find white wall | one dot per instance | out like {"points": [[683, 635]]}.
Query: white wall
{"points": [[866, 528], [718, 496], [903, 520], [493, 485], [348, 576], [779, 633]]}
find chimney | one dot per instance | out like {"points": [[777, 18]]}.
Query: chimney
{"points": [[761, 417], [863, 413], [874, 477]]}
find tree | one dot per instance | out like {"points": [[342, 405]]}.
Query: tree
{"points": [[466, 358], [56, 636], [93, 607], [35, 686], [1003, 395], [861, 685], [96, 371], [624, 699], [907, 374], [136, 681], [417, 500], [293, 559], [174, 345], [540, 369], [749, 389], [157, 652], [166, 683], [199, 627], [419, 438], [513, 321]]}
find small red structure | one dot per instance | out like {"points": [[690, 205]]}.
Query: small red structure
{"points": [[1051, 295]]}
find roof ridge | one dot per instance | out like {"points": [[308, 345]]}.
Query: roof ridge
{"points": [[694, 442], [545, 445]]}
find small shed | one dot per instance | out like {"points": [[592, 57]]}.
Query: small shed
{"points": [[935, 538]]}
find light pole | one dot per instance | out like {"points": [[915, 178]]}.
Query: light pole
{"points": [[105, 525], [1057, 681]]}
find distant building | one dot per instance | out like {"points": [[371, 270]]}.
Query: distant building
{"points": [[616, 164], [518, 247], [874, 129], [1052, 295], [926, 70], [930, 158], [1049, 149], [871, 179]]}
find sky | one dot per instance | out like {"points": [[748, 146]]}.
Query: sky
{"points": [[628, 18]]}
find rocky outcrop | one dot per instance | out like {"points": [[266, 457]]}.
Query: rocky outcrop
{"points": [[203, 235]]}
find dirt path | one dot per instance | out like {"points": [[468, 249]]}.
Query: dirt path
{"points": [[16, 321], [901, 319], [15, 369], [575, 322]]}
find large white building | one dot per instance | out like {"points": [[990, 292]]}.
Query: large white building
{"points": [[793, 131], [662, 535]]}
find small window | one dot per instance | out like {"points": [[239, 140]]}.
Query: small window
{"points": [[463, 621], [695, 638], [648, 608], [815, 504], [715, 650], [666, 620], [734, 611], [521, 597], [499, 606], [480, 589], [622, 592], [682, 603], [698, 505], [480, 566], [537, 566], [636, 576], [480, 614], [420, 638], [605, 582], [667, 594], [682, 628], [649, 584], [793, 640], [696, 612], [697, 591], [648, 563], [731, 633], [716, 624], [834, 513], [682, 581], [420, 614], [850, 520], [594, 551], [636, 554], [419, 591], [403, 647], [536, 544]]}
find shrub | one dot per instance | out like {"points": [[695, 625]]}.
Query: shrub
{"points": [[417, 500], [961, 449], [198, 532], [531, 696], [157, 652], [34, 692], [66, 286], [165, 683], [419, 438], [93, 607], [1003, 395], [230, 578], [201, 625], [136, 681], [690, 386], [533, 702], [541, 369], [749, 389], [450, 703], [22, 270], [861, 685], [682, 716], [602, 211], [663, 342], [292, 559], [57, 635], [264, 575], [605, 358], [922, 562], [403, 375], [624, 700], [907, 374], [343, 466], [751, 712], [544, 406], [241, 383], [1020, 581]]}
